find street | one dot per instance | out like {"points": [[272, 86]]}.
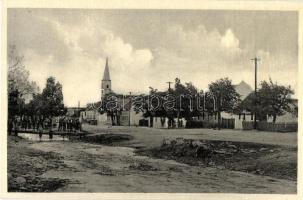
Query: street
{"points": [[117, 167]]}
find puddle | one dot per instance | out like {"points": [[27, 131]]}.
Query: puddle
{"points": [[45, 137]]}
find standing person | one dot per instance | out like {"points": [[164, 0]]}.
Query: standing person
{"points": [[67, 124], [64, 124], [60, 124], [26, 122], [40, 123], [70, 125], [77, 124], [40, 130], [29, 122], [73, 125], [50, 135], [16, 126], [10, 126], [80, 125], [22, 122], [33, 123]]}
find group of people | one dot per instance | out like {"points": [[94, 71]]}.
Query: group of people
{"points": [[69, 124], [29, 123], [12, 126], [37, 123]]}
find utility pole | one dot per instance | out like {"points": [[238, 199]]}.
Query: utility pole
{"points": [[78, 110], [130, 107], [256, 68], [169, 82], [169, 117]]}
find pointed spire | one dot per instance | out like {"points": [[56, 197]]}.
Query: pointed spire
{"points": [[106, 76]]}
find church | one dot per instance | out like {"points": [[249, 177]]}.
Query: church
{"points": [[126, 116]]}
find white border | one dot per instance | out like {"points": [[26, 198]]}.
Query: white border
{"points": [[141, 4]]}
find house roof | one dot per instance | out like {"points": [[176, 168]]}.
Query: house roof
{"points": [[243, 89]]}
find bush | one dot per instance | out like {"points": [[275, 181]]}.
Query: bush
{"points": [[143, 122], [194, 124]]}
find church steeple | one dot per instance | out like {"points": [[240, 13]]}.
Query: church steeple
{"points": [[106, 87], [106, 76]]}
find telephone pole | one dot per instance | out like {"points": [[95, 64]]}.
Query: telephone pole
{"points": [[256, 70], [130, 107], [169, 82]]}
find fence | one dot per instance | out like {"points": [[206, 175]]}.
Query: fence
{"points": [[247, 125], [225, 123], [269, 126]]}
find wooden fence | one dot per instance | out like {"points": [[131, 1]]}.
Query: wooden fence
{"points": [[274, 127], [225, 124]]}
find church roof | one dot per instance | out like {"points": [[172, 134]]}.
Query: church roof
{"points": [[106, 76]]}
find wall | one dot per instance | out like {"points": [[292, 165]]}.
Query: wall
{"points": [[287, 117], [103, 119], [134, 118]]}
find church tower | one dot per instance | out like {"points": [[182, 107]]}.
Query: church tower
{"points": [[106, 86]]}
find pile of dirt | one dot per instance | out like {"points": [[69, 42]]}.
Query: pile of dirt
{"points": [[105, 171], [25, 165], [270, 160], [33, 184], [142, 167], [107, 139]]}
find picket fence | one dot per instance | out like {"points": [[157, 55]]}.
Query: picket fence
{"points": [[269, 126]]}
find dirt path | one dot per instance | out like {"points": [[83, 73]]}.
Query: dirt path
{"points": [[152, 137], [98, 168]]}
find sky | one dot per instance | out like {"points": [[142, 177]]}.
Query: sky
{"points": [[148, 48]]}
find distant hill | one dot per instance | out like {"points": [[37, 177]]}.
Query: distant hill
{"points": [[243, 89]]}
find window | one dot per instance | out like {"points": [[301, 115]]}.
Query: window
{"points": [[106, 86]]}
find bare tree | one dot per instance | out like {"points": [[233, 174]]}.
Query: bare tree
{"points": [[18, 75]]}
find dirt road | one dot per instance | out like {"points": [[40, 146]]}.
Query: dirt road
{"points": [[99, 168], [152, 137], [96, 168], [117, 168]]}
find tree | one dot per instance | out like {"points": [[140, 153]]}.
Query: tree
{"points": [[186, 96], [18, 82], [274, 99], [226, 97], [50, 103], [15, 104], [178, 102], [154, 106], [249, 104], [18, 75]]}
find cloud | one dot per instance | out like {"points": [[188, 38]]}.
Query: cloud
{"points": [[202, 56], [29, 31], [229, 40], [80, 67], [75, 52], [198, 55]]}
